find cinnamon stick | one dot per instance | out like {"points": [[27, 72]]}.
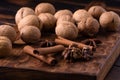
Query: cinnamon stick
{"points": [[67, 42], [53, 49], [31, 51]]}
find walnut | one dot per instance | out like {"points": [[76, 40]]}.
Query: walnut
{"points": [[44, 8], [67, 30], [65, 18], [48, 21], [30, 20], [110, 21], [96, 11], [88, 26], [30, 34], [80, 14], [22, 12], [5, 47], [8, 31], [63, 12]]}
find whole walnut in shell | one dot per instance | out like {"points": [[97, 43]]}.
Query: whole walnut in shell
{"points": [[48, 21], [65, 18], [80, 14], [67, 30], [88, 26], [8, 31], [22, 12], [5, 46], [30, 20], [30, 34], [45, 8], [110, 21], [96, 11], [63, 12]]}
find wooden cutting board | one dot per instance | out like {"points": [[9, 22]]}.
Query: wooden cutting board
{"points": [[22, 66], [96, 69]]}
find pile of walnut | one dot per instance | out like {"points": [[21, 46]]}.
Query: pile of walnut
{"points": [[7, 37], [66, 24]]}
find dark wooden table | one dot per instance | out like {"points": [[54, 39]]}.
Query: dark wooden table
{"points": [[8, 9], [115, 71]]}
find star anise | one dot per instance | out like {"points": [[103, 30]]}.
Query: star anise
{"points": [[73, 53], [87, 54], [92, 42]]}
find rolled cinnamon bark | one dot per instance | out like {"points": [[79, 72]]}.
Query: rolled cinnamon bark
{"points": [[67, 42], [47, 59], [53, 49]]}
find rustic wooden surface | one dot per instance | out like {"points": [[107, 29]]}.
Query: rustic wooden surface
{"points": [[7, 17]]}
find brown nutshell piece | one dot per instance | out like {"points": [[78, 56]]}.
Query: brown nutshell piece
{"points": [[5, 47], [8, 31], [63, 12], [30, 34], [66, 30], [48, 21], [44, 8], [110, 21], [96, 11], [22, 12], [30, 20]]}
